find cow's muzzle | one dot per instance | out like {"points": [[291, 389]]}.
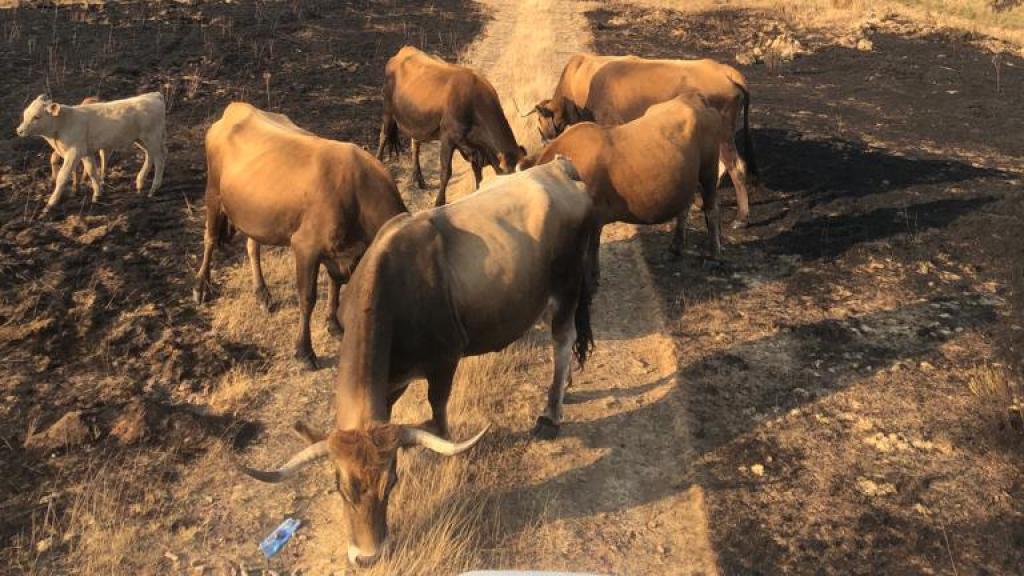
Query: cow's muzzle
{"points": [[360, 560]]}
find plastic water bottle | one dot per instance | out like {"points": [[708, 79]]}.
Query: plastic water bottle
{"points": [[279, 537]]}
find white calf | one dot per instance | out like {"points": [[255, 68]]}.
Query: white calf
{"points": [[79, 132]]}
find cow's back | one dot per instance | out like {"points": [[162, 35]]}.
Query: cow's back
{"points": [[275, 179], [652, 160], [622, 90], [504, 246], [420, 86]]}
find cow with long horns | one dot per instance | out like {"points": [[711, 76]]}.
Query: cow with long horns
{"points": [[433, 288]]}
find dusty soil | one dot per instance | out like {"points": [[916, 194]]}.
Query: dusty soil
{"points": [[95, 308], [828, 367]]}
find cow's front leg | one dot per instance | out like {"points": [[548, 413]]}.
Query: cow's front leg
{"points": [[417, 172], [439, 389], [252, 248], [334, 327], [70, 161], [89, 168], [447, 151], [306, 266]]}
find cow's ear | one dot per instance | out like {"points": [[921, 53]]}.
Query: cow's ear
{"points": [[53, 109], [570, 111]]}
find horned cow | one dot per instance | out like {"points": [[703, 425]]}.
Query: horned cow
{"points": [[461, 280]]}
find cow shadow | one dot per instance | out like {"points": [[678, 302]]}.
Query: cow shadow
{"points": [[723, 393]]}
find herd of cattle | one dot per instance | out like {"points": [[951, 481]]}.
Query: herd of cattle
{"points": [[626, 139]]}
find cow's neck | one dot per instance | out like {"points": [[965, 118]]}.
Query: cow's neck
{"points": [[363, 384]]}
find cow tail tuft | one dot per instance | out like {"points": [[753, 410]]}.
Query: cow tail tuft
{"points": [[392, 142], [748, 140], [584, 344]]}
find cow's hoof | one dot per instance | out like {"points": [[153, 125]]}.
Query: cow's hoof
{"points": [[738, 224], [308, 361], [675, 253], [201, 292], [713, 264], [266, 302], [49, 214], [545, 429], [334, 328]]}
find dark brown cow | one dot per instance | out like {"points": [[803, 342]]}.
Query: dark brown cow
{"points": [[284, 186], [613, 90], [648, 171], [457, 281], [430, 99]]}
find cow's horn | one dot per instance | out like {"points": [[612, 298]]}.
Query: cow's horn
{"points": [[417, 437], [307, 456]]}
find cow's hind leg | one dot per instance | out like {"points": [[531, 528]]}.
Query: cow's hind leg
{"points": [[307, 264], [252, 248], [147, 163], [563, 332], [678, 244], [417, 172], [712, 216], [738, 174], [159, 162]]}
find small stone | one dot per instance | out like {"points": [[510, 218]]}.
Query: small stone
{"points": [[865, 45], [757, 470], [70, 430], [44, 544]]}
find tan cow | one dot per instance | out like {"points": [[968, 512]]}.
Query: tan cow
{"points": [[430, 99], [616, 89], [283, 186], [465, 279], [648, 171], [80, 132]]}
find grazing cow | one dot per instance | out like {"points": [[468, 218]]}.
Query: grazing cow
{"points": [[462, 280], [430, 99], [617, 89], [647, 171], [80, 132], [284, 186], [56, 157]]}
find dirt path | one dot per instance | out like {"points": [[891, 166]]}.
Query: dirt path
{"points": [[618, 484]]}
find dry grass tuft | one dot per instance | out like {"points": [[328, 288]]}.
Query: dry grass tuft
{"points": [[1000, 396]]}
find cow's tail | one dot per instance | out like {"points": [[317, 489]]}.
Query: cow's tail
{"points": [[748, 140], [588, 287], [391, 143]]}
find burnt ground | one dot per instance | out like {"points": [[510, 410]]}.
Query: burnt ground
{"points": [[830, 364], [96, 315]]}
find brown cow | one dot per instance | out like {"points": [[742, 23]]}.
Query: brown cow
{"points": [[430, 99], [647, 171], [613, 90], [284, 186], [461, 280]]}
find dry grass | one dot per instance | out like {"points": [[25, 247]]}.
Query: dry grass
{"points": [[1000, 397], [976, 16]]}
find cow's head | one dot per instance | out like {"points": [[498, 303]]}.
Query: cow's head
{"points": [[39, 117], [553, 117], [365, 471], [507, 161]]}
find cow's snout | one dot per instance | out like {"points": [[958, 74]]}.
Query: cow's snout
{"points": [[357, 558], [19, 131]]}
